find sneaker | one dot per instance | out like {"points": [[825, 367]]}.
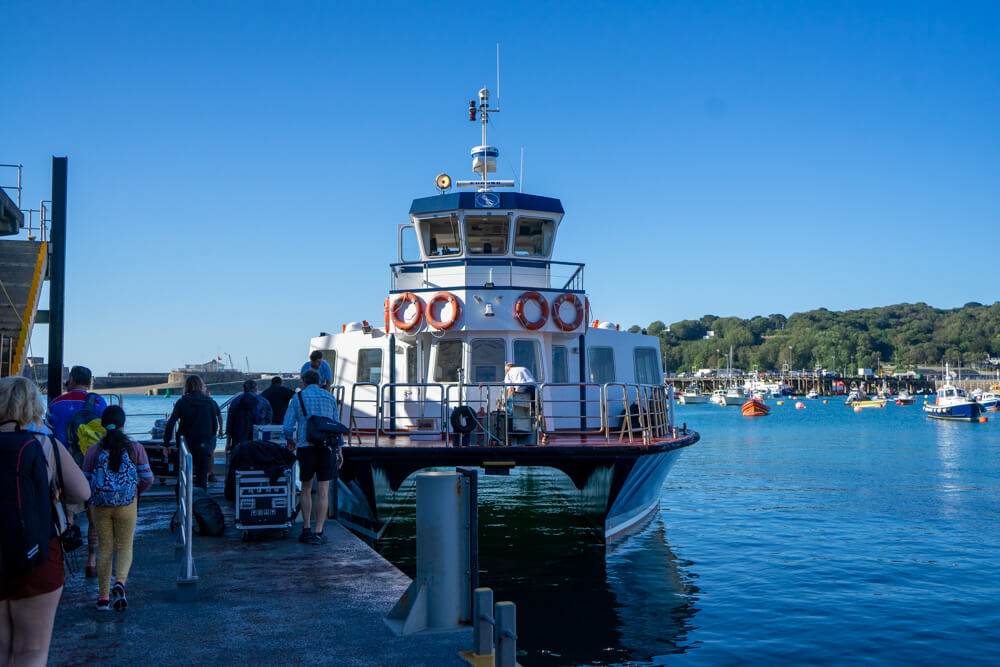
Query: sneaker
{"points": [[118, 600], [306, 535], [317, 539], [103, 604]]}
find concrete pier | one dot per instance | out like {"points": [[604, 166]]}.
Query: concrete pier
{"points": [[268, 601]]}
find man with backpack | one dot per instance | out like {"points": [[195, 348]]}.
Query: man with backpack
{"points": [[75, 418], [246, 411], [315, 460]]}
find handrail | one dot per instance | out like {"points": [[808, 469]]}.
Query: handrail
{"points": [[422, 400], [352, 424], [185, 508], [581, 402]]}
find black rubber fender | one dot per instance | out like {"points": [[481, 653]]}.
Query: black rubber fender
{"points": [[463, 419]]}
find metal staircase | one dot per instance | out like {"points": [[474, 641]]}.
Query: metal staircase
{"points": [[23, 266]]}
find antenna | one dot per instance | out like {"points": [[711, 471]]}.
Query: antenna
{"points": [[498, 76], [520, 180]]}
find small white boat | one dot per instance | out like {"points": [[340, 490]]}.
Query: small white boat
{"points": [[693, 396], [718, 397], [812, 395]]}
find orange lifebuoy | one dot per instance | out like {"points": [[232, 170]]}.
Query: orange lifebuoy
{"points": [[386, 306], [398, 321], [519, 310], [456, 310], [568, 297]]}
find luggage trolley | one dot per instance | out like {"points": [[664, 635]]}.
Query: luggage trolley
{"points": [[262, 504]]}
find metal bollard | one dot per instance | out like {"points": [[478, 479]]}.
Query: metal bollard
{"points": [[187, 578], [506, 634], [483, 622], [439, 597]]}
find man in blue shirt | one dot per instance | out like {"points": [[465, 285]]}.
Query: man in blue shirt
{"points": [[317, 364], [314, 460]]}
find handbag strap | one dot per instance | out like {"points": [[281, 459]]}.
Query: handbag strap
{"points": [[305, 413]]}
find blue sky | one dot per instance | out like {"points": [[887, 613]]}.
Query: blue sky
{"points": [[237, 170]]}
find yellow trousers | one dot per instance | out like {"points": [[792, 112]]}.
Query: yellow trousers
{"points": [[115, 530]]}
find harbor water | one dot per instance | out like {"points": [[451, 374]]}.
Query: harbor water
{"points": [[810, 536]]}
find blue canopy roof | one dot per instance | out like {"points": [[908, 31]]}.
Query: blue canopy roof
{"points": [[453, 201]]}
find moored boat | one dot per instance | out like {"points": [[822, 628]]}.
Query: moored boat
{"points": [[859, 399], [429, 389], [755, 407], [990, 399], [904, 398], [692, 396], [953, 404]]}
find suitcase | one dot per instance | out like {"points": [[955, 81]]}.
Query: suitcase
{"points": [[263, 505]]}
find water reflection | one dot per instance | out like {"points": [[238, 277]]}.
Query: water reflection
{"points": [[577, 602]]}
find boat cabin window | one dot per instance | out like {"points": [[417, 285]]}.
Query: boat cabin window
{"points": [[439, 236], [602, 364], [449, 360], [412, 372], [370, 365], [647, 368], [560, 364], [526, 354], [533, 237], [409, 249], [330, 357], [487, 234], [487, 357]]}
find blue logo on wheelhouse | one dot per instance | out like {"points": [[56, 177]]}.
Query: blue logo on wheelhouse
{"points": [[487, 200]]}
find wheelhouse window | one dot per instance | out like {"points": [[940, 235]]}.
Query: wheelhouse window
{"points": [[647, 369], [411, 364], [370, 365], [526, 354], [486, 356], [602, 364], [533, 237], [330, 356], [440, 236], [449, 360], [560, 364], [487, 234]]}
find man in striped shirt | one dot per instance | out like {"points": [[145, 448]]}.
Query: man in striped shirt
{"points": [[314, 460]]}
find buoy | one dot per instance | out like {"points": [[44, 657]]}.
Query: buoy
{"points": [[824, 401], [983, 420], [800, 406], [781, 402], [925, 402], [857, 408]]}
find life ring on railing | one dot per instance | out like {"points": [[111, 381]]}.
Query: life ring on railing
{"points": [[456, 310], [568, 297], [519, 310], [396, 314]]}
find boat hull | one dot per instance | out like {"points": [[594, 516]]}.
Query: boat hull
{"points": [[755, 408], [968, 412], [694, 399], [612, 486]]}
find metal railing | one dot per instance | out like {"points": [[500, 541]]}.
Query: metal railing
{"points": [[516, 272], [187, 579], [618, 412], [389, 420]]}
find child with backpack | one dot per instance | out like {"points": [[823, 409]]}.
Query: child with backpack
{"points": [[118, 470]]}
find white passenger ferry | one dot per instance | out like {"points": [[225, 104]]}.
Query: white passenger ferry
{"points": [[426, 389]]}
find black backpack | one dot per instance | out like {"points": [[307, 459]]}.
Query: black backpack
{"points": [[25, 504], [322, 431]]}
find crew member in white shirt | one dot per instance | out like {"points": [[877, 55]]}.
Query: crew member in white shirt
{"points": [[518, 375]]}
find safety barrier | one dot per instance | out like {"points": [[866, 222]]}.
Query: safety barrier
{"points": [[424, 422], [618, 412], [187, 579]]}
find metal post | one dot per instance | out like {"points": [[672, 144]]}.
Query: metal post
{"points": [[438, 597], [583, 374], [57, 277], [392, 382], [482, 631], [506, 634], [187, 579]]}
